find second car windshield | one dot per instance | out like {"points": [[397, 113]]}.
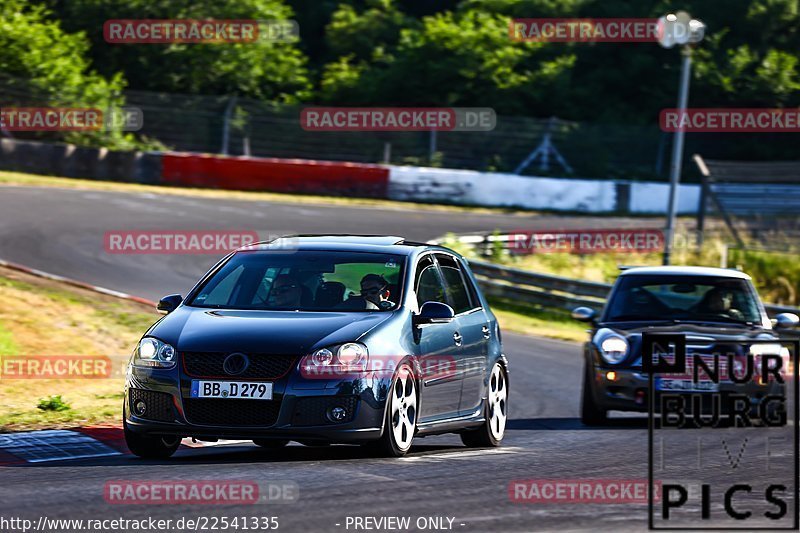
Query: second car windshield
{"points": [[684, 298], [305, 281]]}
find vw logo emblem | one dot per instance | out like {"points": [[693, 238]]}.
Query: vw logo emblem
{"points": [[235, 364]]}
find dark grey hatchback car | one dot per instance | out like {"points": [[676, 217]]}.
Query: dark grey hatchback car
{"points": [[322, 339]]}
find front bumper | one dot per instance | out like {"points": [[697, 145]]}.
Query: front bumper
{"points": [[298, 411], [629, 391]]}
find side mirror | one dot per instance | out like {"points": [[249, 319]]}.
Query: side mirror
{"points": [[168, 304], [434, 313], [786, 320], [583, 314]]}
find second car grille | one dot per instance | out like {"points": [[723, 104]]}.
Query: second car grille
{"points": [[262, 366], [218, 412]]}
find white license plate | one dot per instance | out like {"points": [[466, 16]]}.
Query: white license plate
{"points": [[235, 390], [685, 385]]}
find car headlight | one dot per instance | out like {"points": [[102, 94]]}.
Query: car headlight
{"points": [[760, 350], [154, 353], [614, 349], [351, 353], [335, 361]]}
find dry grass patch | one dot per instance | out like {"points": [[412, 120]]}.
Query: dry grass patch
{"points": [[42, 317]]}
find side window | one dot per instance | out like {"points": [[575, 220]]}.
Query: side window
{"points": [[456, 290], [427, 283]]}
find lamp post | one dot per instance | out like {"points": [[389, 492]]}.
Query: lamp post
{"points": [[680, 29]]}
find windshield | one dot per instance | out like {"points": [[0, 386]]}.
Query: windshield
{"points": [[305, 281], [684, 298]]}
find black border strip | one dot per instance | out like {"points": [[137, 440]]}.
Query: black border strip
{"points": [[795, 358]]}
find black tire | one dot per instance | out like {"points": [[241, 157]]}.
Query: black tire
{"points": [[486, 436], [160, 447], [591, 414], [387, 445], [272, 444]]}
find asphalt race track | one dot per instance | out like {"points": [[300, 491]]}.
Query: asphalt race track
{"points": [[61, 231]]}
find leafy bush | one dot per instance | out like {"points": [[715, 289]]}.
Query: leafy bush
{"points": [[53, 403]]}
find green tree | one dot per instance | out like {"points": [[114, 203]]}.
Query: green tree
{"points": [[41, 64], [270, 71]]}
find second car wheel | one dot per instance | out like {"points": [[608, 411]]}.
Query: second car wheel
{"points": [[496, 413], [591, 414]]}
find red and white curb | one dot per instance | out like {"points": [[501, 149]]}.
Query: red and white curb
{"points": [[79, 443], [74, 283]]}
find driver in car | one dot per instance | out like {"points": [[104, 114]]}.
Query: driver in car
{"points": [[719, 301], [374, 294], [375, 289]]}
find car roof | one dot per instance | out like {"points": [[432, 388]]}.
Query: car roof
{"points": [[685, 271], [334, 242]]}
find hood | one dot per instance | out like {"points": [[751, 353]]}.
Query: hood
{"points": [[717, 331], [276, 332]]}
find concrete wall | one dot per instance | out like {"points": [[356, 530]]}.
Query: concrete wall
{"points": [[419, 184], [77, 162]]}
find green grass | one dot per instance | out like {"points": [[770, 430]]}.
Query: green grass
{"points": [[7, 344], [522, 319]]}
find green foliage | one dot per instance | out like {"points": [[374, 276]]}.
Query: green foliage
{"points": [[42, 63], [420, 53], [464, 57], [53, 403], [269, 71]]}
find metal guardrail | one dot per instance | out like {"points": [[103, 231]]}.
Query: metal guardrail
{"points": [[530, 288], [554, 292]]}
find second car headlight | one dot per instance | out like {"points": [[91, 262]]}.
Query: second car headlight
{"points": [[614, 349], [154, 353]]}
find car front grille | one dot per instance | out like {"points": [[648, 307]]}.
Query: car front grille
{"points": [[312, 411], [219, 412], [158, 404], [262, 366]]}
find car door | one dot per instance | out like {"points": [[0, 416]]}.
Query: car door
{"points": [[472, 328], [440, 384]]}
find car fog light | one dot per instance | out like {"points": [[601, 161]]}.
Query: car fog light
{"points": [[139, 407], [611, 376], [337, 414]]}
